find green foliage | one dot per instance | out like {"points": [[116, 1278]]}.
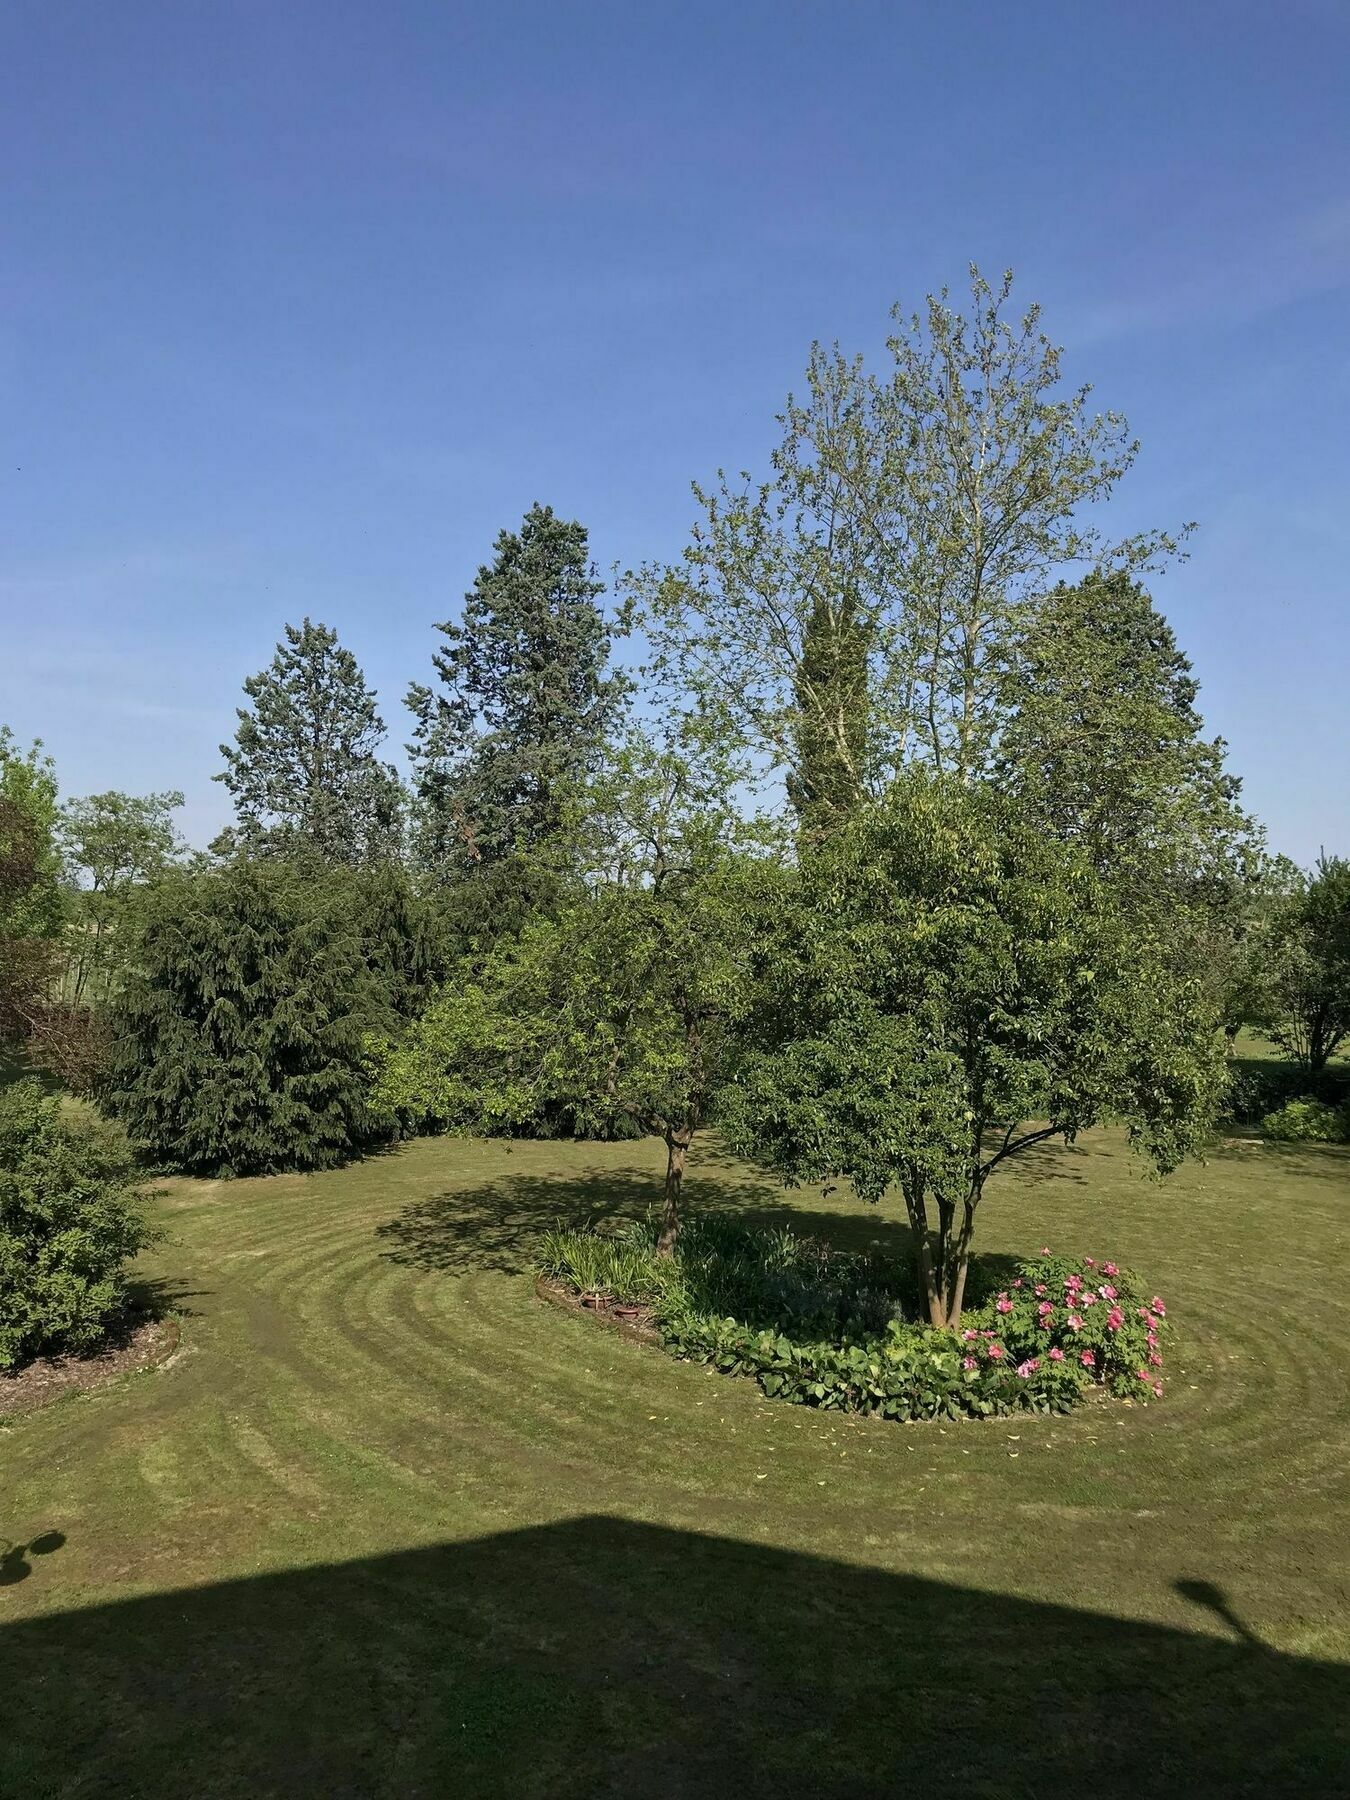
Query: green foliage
{"points": [[69, 1226], [1308, 1121], [947, 987], [1102, 741], [304, 771], [30, 868], [241, 1033], [526, 702], [829, 1329], [112, 846], [858, 608], [1308, 987]]}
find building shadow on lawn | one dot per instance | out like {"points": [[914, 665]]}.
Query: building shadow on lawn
{"points": [[599, 1657]]}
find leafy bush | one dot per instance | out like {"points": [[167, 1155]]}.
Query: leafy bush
{"points": [[1081, 1312], [1257, 1087], [1307, 1121], [69, 1225], [828, 1329]]}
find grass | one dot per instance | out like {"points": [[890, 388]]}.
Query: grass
{"points": [[387, 1525]]}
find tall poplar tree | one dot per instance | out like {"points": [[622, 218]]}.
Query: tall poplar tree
{"points": [[524, 701], [304, 770]]}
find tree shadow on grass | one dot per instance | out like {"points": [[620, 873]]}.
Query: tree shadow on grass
{"points": [[600, 1657], [499, 1227]]}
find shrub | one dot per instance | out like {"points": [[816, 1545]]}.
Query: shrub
{"points": [[69, 1225], [1257, 1087], [828, 1329], [1307, 1121], [1088, 1314]]}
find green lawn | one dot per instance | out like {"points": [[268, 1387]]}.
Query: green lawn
{"points": [[387, 1525]]}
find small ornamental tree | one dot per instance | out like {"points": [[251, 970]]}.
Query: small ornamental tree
{"points": [[615, 1012], [240, 1032], [951, 987]]}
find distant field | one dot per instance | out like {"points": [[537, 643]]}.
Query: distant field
{"points": [[389, 1526]]}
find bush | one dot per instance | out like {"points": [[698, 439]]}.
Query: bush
{"points": [[1258, 1087], [1307, 1121], [69, 1225], [240, 1038], [824, 1328]]}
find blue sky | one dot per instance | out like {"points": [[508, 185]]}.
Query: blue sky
{"points": [[299, 304]]}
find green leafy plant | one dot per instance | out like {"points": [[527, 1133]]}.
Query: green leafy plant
{"points": [[1307, 1121], [69, 1226]]}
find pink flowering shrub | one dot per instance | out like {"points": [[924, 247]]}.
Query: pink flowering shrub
{"points": [[1090, 1320]]}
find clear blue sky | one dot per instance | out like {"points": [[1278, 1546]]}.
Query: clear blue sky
{"points": [[301, 302]]}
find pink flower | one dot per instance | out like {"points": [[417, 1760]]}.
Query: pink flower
{"points": [[1106, 1291], [1003, 1304], [1110, 1269], [1018, 1282], [1088, 1263], [1073, 1281], [1158, 1307], [1057, 1355], [1142, 1375], [1151, 1335], [968, 1362], [1040, 1287], [1144, 1313], [1115, 1319], [1029, 1367], [1045, 1323], [1088, 1360], [996, 1352], [1075, 1322], [1158, 1389], [968, 1334], [1155, 1361], [1044, 1308], [1045, 1249], [1088, 1298]]}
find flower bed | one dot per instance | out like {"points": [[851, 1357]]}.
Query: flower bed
{"points": [[826, 1329]]}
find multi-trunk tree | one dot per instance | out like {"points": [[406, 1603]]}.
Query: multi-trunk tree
{"points": [[944, 988]]}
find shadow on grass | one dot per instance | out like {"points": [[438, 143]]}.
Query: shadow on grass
{"points": [[599, 1657], [498, 1227]]}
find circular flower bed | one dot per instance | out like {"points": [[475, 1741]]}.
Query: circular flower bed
{"points": [[828, 1329]]}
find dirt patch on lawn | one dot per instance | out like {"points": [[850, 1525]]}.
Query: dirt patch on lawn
{"points": [[140, 1344]]}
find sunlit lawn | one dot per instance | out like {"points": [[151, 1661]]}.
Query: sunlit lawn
{"points": [[389, 1525]]}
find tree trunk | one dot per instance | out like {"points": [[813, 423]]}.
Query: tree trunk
{"points": [[923, 1250], [677, 1147], [958, 1262]]}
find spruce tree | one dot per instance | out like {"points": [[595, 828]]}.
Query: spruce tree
{"points": [[304, 771], [524, 702]]}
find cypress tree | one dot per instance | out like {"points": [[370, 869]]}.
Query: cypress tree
{"points": [[831, 718]]}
